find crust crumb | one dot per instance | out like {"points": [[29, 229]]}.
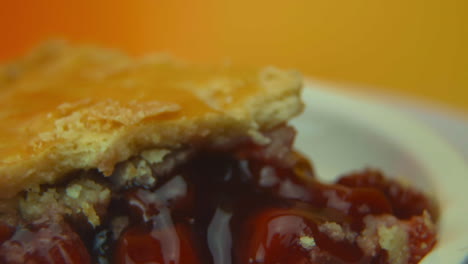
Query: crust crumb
{"points": [[385, 232], [337, 232], [307, 242], [82, 196]]}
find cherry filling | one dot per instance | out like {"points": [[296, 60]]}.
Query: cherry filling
{"points": [[53, 242], [252, 204]]}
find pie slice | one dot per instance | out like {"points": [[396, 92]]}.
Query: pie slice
{"points": [[105, 158]]}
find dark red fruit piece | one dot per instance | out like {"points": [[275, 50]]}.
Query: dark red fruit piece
{"points": [[278, 151], [301, 172], [175, 194], [406, 202], [354, 202], [140, 244], [422, 237], [6, 232], [53, 243], [291, 236]]}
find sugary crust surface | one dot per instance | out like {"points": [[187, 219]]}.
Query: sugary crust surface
{"points": [[65, 108]]}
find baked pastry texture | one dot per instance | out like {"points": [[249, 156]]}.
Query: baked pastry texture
{"points": [[65, 108], [105, 158]]}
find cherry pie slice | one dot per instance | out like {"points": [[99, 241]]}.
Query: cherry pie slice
{"points": [[106, 158]]}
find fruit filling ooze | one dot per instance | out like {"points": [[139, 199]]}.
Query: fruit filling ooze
{"points": [[243, 204]]}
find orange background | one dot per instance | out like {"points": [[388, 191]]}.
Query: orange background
{"points": [[416, 48]]}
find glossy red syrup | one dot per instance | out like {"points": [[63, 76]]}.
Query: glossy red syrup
{"points": [[253, 204]]}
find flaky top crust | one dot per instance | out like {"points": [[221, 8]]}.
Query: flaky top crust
{"points": [[65, 108]]}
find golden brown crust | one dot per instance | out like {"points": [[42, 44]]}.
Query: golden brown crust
{"points": [[64, 108]]}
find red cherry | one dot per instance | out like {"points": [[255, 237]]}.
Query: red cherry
{"points": [[291, 236], [52, 243], [354, 202], [278, 151], [6, 232], [406, 202], [139, 245], [175, 194], [291, 184], [422, 237]]}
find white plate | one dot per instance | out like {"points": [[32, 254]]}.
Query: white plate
{"points": [[342, 133]]}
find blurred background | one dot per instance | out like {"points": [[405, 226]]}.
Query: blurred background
{"points": [[413, 48]]}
